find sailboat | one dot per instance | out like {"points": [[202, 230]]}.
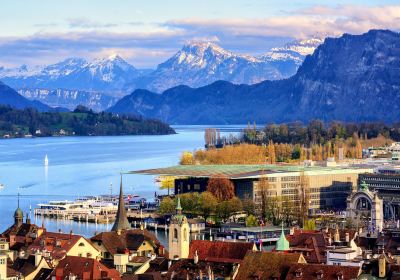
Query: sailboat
{"points": [[1, 186], [46, 161]]}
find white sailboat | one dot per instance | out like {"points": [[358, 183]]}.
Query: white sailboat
{"points": [[1, 186], [46, 161]]}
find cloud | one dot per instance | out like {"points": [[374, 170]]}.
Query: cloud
{"points": [[88, 24], [300, 23], [146, 46], [52, 47]]}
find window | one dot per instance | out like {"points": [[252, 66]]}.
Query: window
{"points": [[81, 244], [2, 261], [175, 234], [196, 187]]}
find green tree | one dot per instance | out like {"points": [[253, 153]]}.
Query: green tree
{"points": [[190, 202], [208, 204], [167, 206], [249, 206], [251, 221], [227, 208]]}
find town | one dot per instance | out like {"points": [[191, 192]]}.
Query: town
{"points": [[331, 219]]}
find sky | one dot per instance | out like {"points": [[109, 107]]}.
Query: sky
{"points": [[145, 33]]}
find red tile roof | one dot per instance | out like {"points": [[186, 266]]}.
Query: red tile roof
{"points": [[127, 239], [312, 243], [84, 268], [329, 272], [219, 251], [267, 265], [186, 269], [57, 244]]}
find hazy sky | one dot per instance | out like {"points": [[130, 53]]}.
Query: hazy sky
{"points": [[147, 32]]}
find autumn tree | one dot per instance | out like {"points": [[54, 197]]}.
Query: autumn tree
{"points": [[221, 187], [263, 187], [187, 158], [271, 153], [304, 198], [358, 152]]}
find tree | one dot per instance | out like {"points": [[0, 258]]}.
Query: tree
{"points": [[304, 197], [187, 158], [221, 187], [251, 221], [229, 207], [248, 206], [167, 206], [190, 202], [271, 152], [166, 182], [263, 187], [207, 204], [358, 149]]}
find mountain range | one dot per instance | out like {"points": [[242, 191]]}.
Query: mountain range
{"points": [[351, 78], [96, 83], [10, 97]]}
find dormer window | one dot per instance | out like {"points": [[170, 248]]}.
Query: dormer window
{"points": [[320, 274], [299, 273], [339, 276]]}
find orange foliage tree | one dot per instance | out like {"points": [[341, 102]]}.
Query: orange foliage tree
{"points": [[221, 187]]}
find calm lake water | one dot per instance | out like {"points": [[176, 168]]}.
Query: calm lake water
{"points": [[80, 166]]}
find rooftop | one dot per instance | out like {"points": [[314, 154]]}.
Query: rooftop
{"points": [[245, 171]]}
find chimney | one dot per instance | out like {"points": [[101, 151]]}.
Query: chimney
{"points": [[196, 257], [38, 258], [28, 220], [70, 234]]}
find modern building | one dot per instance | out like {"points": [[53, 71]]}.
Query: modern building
{"points": [[385, 181], [328, 187]]}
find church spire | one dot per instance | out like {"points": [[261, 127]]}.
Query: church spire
{"points": [[18, 215], [282, 244], [178, 206], [121, 221]]}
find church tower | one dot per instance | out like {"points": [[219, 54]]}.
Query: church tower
{"points": [[179, 235], [18, 215], [121, 221]]}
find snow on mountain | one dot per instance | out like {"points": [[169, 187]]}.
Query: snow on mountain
{"points": [[196, 64], [70, 99], [106, 75], [201, 63]]}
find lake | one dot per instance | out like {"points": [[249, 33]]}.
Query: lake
{"points": [[80, 166]]}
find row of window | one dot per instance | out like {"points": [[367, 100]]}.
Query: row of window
{"points": [[290, 179]]}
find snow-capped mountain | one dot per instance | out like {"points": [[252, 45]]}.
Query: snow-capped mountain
{"points": [[104, 75], [196, 64], [70, 99], [200, 63]]}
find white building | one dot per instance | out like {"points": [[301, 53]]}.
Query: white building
{"points": [[345, 256]]}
